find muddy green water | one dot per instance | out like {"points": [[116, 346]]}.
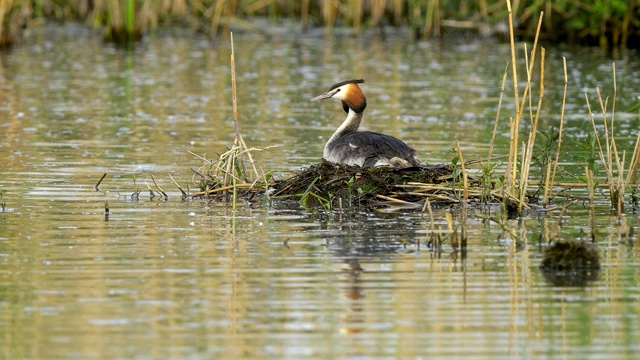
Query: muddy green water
{"points": [[175, 279]]}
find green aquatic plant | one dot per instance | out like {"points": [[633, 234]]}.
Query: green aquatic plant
{"points": [[487, 181], [3, 204], [543, 153], [589, 155]]}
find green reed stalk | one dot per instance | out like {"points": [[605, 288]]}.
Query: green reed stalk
{"points": [[130, 22]]}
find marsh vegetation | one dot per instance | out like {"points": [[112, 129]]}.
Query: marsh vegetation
{"points": [[604, 23]]}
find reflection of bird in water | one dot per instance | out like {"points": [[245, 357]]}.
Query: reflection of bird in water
{"points": [[355, 316], [362, 148]]}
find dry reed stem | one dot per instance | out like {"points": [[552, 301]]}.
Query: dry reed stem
{"points": [[520, 105], [495, 125], [526, 165], [215, 19], [445, 198], [432, 225], [590, 186], [222, 189], [392, 199], [184, 193], [234, 88], [632, 174], [504, 196], [304, 14], [547, 181], [617, 187], [158, 187], [4, 5], [569, 185], [464, 172], [514, 72], [357, 16], [452, 230], [151, 192]]}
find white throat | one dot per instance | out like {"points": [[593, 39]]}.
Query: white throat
{"points": [[349, 125]]}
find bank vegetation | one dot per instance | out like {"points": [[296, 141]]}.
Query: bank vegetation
{"points": [[606, 23]]}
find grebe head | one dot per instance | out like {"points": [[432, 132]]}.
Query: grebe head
{"points": [[349, 93]]}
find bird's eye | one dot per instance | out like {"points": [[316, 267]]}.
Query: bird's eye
{"points": [[337, 90]]}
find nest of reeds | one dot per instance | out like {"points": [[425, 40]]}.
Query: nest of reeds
{"points": [[328, 184], [331, 185]]}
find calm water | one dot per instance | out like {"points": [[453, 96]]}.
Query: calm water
{"points": [[194, 279]]}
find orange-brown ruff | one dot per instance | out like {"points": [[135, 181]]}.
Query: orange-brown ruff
{"points": [[362, 148]]}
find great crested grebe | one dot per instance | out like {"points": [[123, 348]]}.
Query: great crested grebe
{"points": [[362, 148]]}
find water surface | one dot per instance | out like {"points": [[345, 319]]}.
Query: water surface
{"points": [[173, 278]]}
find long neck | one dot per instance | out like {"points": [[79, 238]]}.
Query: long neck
{"points": [[349, 125]]}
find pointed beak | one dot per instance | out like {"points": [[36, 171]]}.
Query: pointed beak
{"points": [[326, 95]]}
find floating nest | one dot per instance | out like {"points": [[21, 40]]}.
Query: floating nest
{"points": [[330, 184]]}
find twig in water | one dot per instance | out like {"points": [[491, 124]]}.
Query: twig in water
{"points": [[158, 187], [152, 194], [203, 158], [100, 181], [184, 193], [199, 173]]}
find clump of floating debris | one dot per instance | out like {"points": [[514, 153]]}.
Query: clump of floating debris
{"points": [[571, 263], [569, 255]]}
